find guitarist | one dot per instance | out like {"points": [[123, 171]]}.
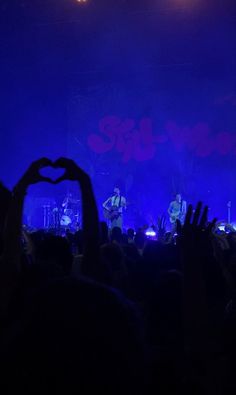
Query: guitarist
{"points": [[177, 210], [113, 209]]}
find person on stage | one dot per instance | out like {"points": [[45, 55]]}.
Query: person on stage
{"points": [[70, 210], [114, 207], [67, 202], [177, 210]]}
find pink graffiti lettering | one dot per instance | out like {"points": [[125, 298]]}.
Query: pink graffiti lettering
{"points": [[200, 140], [139, 143], [131, 142]]}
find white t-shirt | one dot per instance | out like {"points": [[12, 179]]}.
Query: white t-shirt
{"points": [[115, 201]]}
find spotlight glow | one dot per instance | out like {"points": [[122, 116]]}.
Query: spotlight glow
{"points": [[226, 227], [150, 232]]}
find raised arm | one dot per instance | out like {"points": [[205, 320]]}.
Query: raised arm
{"points": [[106, 203], [11, 258], [65, 202], [170, 209], [90, 218], [196, 251], [5, 198]]}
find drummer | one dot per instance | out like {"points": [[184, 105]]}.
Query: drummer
{"points": [[68, 202]]}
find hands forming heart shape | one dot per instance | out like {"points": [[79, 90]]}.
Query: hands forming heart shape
{"points": [[72, 172]]}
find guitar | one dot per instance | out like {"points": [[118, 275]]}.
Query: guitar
{"points": [[174, 217], [178, 215], [111, 213]]}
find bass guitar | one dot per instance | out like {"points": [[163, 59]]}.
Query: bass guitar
{"points": [[180, 216]]}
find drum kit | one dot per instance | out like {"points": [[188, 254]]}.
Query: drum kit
{"points": [[59, 217]]}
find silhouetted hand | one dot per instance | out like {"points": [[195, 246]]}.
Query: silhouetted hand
{"points": [[197, 254], [33, 176], [194, 235], [91, 252], [161, 228], [5, 194], [72, 171], [5, 198]]}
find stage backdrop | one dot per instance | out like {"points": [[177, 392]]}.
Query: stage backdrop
{"points": [[141, 94], [155, 141], [152, 108]]}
